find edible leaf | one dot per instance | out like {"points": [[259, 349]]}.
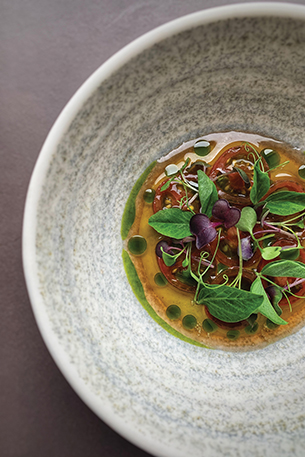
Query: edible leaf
{"points": [[208, 195], [284, 268], [172, 222], [229, 215], [229, 304], [284, 203], [248, 219], [275, 295], [265, 308], [168, 259], [261, 184], [203, 229], [271, 252]]}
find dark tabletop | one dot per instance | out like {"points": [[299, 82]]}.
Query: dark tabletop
{"points": [[48, 48]]}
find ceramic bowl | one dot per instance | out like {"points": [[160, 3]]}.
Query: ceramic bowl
{"points": [[239, 67]]}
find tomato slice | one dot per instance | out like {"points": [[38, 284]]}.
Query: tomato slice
{"points": [[168, 198], [229, 183], [177, 275]]}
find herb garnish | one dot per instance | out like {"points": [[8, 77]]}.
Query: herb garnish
{"points": [[255, 230]]}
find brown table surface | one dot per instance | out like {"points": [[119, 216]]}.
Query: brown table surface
{"points": [[47, 49]]}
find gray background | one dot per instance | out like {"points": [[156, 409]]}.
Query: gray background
{"points": [[48, 48]]}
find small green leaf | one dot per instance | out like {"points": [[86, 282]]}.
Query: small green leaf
{"points": [[285, 203], [284, 268], [248, 219], [172, 222], [265, 308], [229, 304], [208, 195], [185, 262], [168, 259], [271, 252], [261, 183], [166, 185]]}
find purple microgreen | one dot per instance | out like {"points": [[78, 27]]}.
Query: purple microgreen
{"points": [[203, 229], [164, 245], [229, 215], [246, 248]]}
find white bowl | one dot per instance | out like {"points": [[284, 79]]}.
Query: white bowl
{"points": [[237, 67]]}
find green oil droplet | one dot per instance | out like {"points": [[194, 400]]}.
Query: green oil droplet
{"points": [[271, 325], [302, 171], [202, 148], [173, 312], [233, 335], [209, 326], [251, 329], [137, 244], [149, 195], [171, 169], [160, 280], [189, 321], [272, 157]]}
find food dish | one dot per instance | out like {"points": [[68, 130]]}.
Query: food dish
{"points": [[233, 68], [198, 208]]}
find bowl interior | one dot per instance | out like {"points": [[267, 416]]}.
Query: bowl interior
{"points": [[244, 74]]}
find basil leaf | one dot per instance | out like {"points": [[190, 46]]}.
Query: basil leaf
{"points": [[265, 308], [285, 203], [283, 268], [271, 252], [229, 304], [207, 193], [172, 222], [261, 184], [248, 219]]}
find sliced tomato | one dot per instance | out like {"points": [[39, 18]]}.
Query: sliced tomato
{"points": [[169, 197], [177, 275]]}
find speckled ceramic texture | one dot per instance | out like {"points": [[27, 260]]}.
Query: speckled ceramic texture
{"points": [[240, 74]]}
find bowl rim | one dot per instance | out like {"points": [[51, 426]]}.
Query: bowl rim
{"points": [[61, 125]]}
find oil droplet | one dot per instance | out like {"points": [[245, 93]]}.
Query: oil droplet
{"points": [[149, 195], [209, 326], [272, 157], [173, 312], [171, 169], [137, 244], [189, 321], [301, 171], [233, 335], [202, 148], [160, 280], [251, 329]]}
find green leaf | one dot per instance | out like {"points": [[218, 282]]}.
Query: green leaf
{"points": [[261, 183], [284, 268], [208, 195], [168, 259], [271, 252], [248, 219], [284, 203], [229, 304], [265, 308], [172, 222]]}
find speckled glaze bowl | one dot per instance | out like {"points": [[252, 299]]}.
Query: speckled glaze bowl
{"points": [[239, 67]]}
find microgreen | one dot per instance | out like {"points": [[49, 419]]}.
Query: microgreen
{"points": [[265, 308], [285, 203], [248, 219], [284, 268], [208, 195], [261, 183], [172, 222]]}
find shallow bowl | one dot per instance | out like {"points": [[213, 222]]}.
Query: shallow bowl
{"points": [[239, 67]]}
